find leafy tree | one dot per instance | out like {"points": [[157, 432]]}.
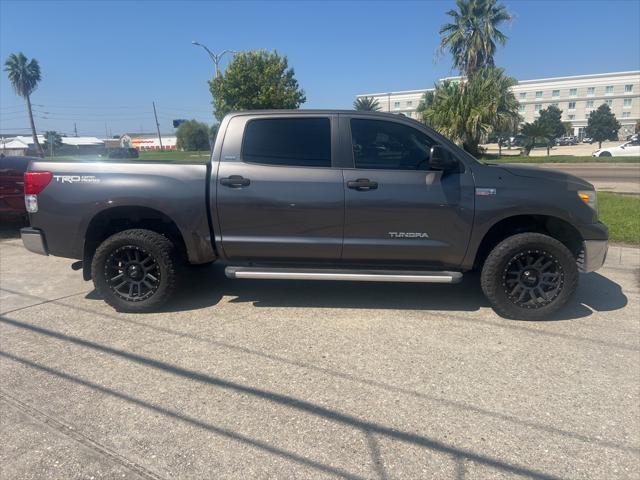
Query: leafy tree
{"points": [[472, 35], [568, 128], [368, 104], [256, 80], [602, 125], [52, 141], [471, 110], [552, 118], [193, 135], [536, 130], [24, 75]]}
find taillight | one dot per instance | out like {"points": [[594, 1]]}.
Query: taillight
{"points": [[35, 182]]}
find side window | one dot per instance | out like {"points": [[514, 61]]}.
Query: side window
{"points": [[378, 144], [303, 142]]}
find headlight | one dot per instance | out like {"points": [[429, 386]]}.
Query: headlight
{"points": [[589, 197]]}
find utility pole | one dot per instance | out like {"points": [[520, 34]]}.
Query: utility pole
{"points": [[214, 58], [75, 129], [157, 124], [106, 133]]}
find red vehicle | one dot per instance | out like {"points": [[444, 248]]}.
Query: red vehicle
{"points": [[12, 186]]}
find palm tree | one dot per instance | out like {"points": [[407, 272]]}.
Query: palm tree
{"points": [[470, 114], [368, 104], [24, 75], [536, 130], [472, 35]]}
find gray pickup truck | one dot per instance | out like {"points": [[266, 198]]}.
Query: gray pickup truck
{"points": [[320, 195]]}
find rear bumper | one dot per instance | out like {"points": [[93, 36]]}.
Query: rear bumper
{"points": [[34, 241], [595, 253]]}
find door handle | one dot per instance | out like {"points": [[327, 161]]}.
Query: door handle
{"points": [[235, 181], [362, 184]]}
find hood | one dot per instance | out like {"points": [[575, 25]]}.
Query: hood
{"points": [[546, 174]]}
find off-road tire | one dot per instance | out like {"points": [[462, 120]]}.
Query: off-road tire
{"points": [[152, 243], [493, 276]]}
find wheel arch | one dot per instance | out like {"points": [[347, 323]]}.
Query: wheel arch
{"points": [[117, 219], [555, 227]]}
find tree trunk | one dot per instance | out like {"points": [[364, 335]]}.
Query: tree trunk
{"points": [[499, 148], [33, 128], [599, 145], [548, 148]]}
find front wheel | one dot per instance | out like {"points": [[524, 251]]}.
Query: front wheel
{"points": [[529, 276], [135, 270], [605, 154]]}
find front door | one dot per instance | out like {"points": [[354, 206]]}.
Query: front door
{"points": [[397, 210], [278, 197]]}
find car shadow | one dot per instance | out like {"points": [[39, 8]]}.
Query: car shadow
{"points": [[203, 287]]}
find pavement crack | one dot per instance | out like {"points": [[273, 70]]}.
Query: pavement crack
{"points": [[79, 437], [39, 303]]}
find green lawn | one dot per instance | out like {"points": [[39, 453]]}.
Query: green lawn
{"points": [[622, 215], [557, 159], [167, 155]]}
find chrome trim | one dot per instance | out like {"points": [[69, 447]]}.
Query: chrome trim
{"points": [[344, 275], [33, 240], [595, 253]]}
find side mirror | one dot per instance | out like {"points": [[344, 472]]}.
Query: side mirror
{"points": [[442, 159]]}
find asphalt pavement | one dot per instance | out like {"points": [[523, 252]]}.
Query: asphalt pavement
{"points": [[278, 379], [611, 177]]}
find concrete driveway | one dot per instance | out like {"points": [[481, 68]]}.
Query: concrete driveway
{"points": [[247, 379]]}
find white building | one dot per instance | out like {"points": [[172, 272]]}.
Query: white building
{"points": [[576, 96], [149, 141]]}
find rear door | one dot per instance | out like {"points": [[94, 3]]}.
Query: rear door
{"points": [[397, 210], [278, 195]]}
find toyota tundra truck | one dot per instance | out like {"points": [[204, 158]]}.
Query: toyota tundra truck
{"points": [[320, 195]]}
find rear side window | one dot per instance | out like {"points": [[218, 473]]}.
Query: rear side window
{"points": [[378, 144], [302, 142]]}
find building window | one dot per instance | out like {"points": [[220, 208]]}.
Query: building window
{"points": [[572, 105], [396, 104], [521, 108], [539, 94], [523, 95], [556, 104], [555, 93], [409, 103], [537, 107], [627, 103], [628, 88], [591, 91], [608, 90], [572, 117], [609, 102], [626, 114], [589, 104], [573, 92]]}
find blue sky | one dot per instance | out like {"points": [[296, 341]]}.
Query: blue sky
{"points": [[103, 63]]}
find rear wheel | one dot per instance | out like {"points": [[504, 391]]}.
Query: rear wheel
{"points": [[135, 270], [529, 276], [605, 154]]}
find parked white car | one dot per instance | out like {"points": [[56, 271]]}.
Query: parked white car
{"points": [[627, 149]]}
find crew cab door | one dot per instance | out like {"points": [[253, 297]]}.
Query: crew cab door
{"points": [[398, 210], [278, 197]]}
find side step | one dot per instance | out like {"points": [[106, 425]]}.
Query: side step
{"points": [[348, 275]]}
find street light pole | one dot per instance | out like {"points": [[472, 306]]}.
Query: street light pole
{"points": [[215, 58]]}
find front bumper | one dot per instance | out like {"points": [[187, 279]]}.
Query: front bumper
{"points": [[595, 253], [33, 240]]}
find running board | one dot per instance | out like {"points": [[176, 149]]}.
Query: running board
{"points": [[347, 275]]}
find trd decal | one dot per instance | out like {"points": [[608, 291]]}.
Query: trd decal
{"points": [[76, 179]]}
